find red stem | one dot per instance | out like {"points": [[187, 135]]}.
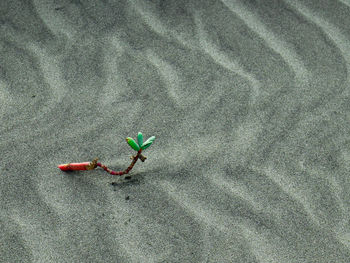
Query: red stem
{"points": [[127, 170]]}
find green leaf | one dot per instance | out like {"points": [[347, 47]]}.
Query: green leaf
{"points": [[147, 143], [132, 144], [140, 138]]}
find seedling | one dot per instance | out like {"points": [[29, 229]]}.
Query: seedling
{"points": [[138, 147]]}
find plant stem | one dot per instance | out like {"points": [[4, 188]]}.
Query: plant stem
{"points": [[127, 170]]}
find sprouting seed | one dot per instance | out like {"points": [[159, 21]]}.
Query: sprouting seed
{"points": [[138, 147]]}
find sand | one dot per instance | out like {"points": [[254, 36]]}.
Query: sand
{"points": [[249, 104]]}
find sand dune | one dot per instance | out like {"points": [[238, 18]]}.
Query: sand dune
{"points": [[248, 101]]}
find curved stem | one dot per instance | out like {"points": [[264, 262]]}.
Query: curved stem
{"points": [[127, 170]]}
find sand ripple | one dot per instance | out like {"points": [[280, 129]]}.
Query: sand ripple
{"points": [[248, 101]]}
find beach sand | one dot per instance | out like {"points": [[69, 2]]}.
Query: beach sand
{"points": [[249, 104]]}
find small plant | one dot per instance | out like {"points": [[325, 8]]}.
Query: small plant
{"points": [[138, 147]]}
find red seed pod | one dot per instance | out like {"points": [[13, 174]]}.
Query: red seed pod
{"points": [[74, 166]]}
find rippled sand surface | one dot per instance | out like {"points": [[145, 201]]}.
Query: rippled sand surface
{"points": [[249, 103]]}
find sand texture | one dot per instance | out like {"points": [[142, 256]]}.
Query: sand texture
{"points": [[249, 102]]}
